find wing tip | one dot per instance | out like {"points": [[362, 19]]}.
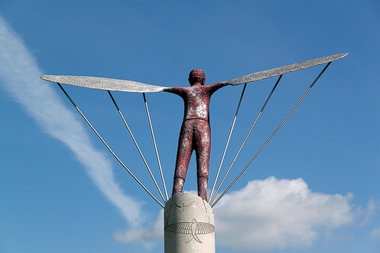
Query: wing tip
{"points": [[49, 78], [342, 55], [46, 77]]}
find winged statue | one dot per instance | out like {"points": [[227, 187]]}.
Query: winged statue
{"points": [[195, 134]]}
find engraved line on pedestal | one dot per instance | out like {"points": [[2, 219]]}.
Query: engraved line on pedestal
{"points": [[183, 205], [193, 228]]}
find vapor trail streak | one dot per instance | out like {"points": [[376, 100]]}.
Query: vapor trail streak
{"points": [[19, 75]]}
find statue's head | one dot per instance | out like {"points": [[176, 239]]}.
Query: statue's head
{"points": [[197, 76]]}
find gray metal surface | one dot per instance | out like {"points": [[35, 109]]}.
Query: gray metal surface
{"points": [[284, 70], [132, 86], [103, 83]]}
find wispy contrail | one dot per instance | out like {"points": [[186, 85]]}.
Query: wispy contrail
{"points": [[19, 74]]}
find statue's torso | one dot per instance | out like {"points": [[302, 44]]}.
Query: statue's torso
{"points": [[197, 102]]}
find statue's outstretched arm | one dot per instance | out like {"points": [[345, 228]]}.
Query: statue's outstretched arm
{"points": [[102, 83], [181, 91], [216, 86]]}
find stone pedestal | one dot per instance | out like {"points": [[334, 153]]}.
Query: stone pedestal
{"points": [[189, 225]]}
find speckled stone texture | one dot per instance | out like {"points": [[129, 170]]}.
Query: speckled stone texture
{"points": [[189, 225]]}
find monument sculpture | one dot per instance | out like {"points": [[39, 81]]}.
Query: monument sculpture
{"points": [[189, 222], [195, 131]]}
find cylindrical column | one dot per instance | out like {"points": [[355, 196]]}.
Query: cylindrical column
{"points": [[189, 225]]}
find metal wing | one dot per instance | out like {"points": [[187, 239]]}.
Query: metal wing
{"points": [[283, 70], [104, 83], [132, 86]]}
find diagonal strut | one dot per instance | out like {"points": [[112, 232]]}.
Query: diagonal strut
{"points": [[270, 137]]}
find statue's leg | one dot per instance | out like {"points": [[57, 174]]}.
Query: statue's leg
{"points": [[202, 136], [185, 147]]}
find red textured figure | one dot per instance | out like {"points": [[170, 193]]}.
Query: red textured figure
{"points": [[195, 131]]}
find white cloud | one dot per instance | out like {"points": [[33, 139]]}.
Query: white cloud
{"points": [[153, 234], [375, 234], [19, 75], [274, 213], [268, 214]]}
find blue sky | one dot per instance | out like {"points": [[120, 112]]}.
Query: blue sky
{"points": [[313, 188]]}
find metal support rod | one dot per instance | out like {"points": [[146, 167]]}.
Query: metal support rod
{"points": [[155, 147], [246, 137], [228, 141], [109, 149], [137, 146], [270, 137]]}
